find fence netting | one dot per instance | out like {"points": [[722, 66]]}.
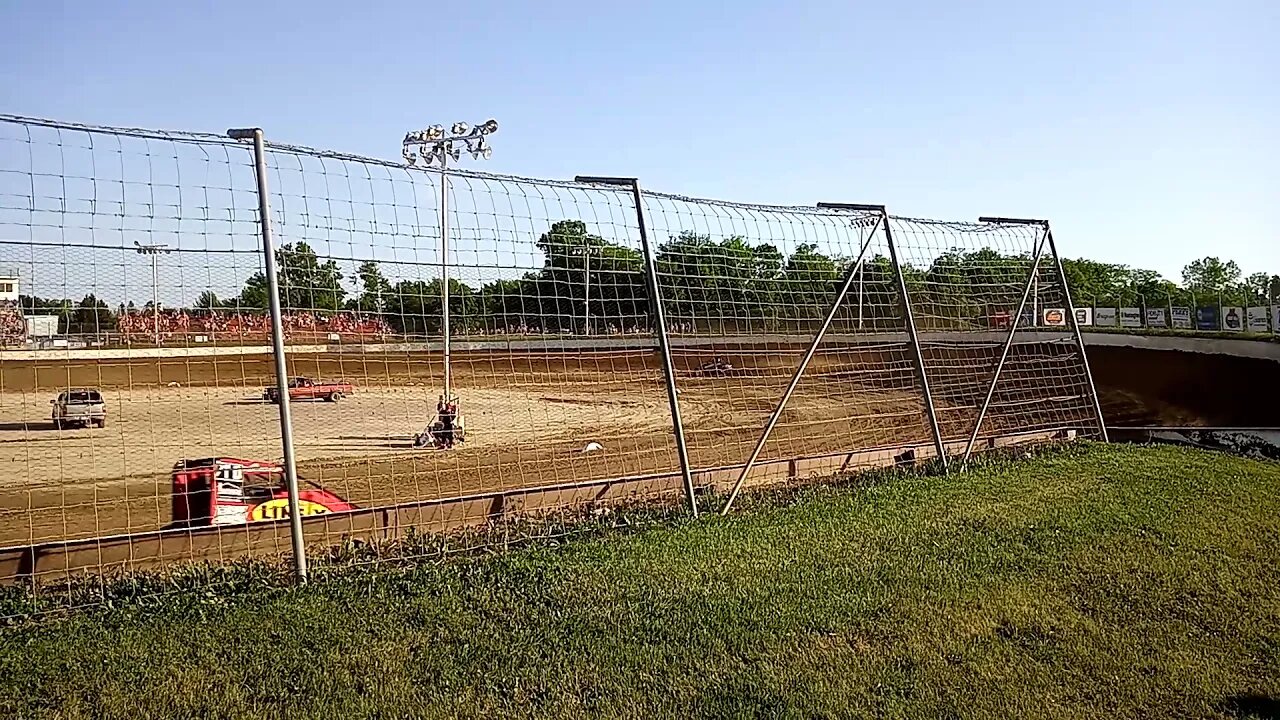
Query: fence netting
{"points": [[972, 288], [746, 289], [553, 369], [139, 403]]}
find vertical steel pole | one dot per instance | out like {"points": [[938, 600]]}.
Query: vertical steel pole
{"points": [[799, 371], [444, 273], [930, 411], [1035, 301], [1008, 343], [658, 315], [277, 346], [860, 273], [586, 294], [155, 296], [1075, 328]]}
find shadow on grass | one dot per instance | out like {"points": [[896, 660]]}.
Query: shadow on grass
{"points": [[1250, 705]]}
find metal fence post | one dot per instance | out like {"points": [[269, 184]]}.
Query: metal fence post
{"points": [[659, 318], [1075, 328], [277, 347], [1013, 329], [930, 411], [852, 275]]}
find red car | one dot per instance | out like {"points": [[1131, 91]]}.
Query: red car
{"points": [[302, 388], [229, 491]]}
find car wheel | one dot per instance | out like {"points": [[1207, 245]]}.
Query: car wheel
{"points": [[335, 396]]}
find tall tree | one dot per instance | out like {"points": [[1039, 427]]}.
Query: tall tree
{"points": [[413, 307], [374, 287], [208, 300], [1210, 275], [91, 316], [1260, 288], [306, 282], [585, 273]]}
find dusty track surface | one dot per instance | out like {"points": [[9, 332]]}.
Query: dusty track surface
{"points": [[529, 416]]}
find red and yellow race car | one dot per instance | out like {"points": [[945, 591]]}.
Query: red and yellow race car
{"points": [[230, 491]]}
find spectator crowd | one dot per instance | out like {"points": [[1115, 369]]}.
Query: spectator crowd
{"points": [[13, 329], [141, 325]]}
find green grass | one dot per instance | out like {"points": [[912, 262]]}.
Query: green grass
{"points": [[1087, 582]]}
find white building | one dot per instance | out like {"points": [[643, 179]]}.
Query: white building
{"points": [[8, 286]]}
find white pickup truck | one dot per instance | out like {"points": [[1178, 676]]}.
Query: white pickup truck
{"points": [[79, 406]]}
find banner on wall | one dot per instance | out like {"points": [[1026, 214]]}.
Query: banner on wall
{"points": [[1256, 319], [1180, 317], [1055, 317], [1275, 319], [1106, 317], [1084, 316], [1131, 317], [1155, 318], [1207, 318], [1233, 319]]}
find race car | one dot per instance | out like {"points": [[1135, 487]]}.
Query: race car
{"points": [[303, 388], [717, 367], [230, 491]]}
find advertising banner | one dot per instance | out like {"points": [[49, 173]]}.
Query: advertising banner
{"points": [[1084, 317], [1155, 318], [1257, 319], [1105, 317], [1275, 319], [1207, 318], [1233, 319], [1131, 317], [1181, 318], [1055, 317]]}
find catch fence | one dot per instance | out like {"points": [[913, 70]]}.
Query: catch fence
{"points": [[551, 347]]}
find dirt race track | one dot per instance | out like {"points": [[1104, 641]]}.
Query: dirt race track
{"points": [[528, 415]]}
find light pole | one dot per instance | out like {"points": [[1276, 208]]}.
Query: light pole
{"points": [[154, 250], [432, 146]]}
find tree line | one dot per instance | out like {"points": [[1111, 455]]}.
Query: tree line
{"points": [[589, 283]]}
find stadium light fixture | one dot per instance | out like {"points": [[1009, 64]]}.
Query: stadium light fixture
{"points": [[431, 147], [154, 250]]}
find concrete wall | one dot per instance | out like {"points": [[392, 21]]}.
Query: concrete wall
{"points": [[1211, 345]]}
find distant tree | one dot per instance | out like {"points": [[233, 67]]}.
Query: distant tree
{"points": [[1262, 288], [208, 301], [306, 282], [91, 316], [413, 307], [1210, 275], [374, 288]]}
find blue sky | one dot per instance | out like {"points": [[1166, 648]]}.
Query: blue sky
{"points": [[1145, 131]]}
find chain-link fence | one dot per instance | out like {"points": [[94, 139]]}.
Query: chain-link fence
{"points": [[467, 353]]}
